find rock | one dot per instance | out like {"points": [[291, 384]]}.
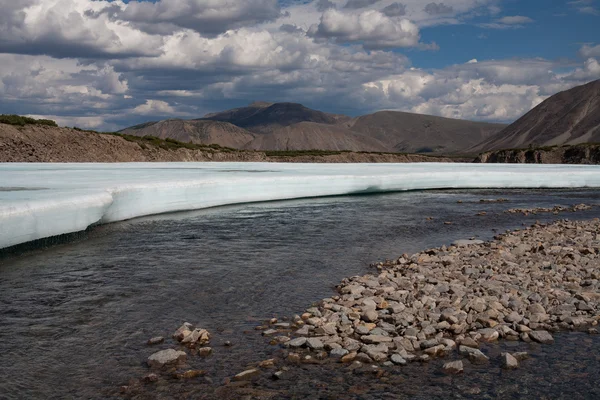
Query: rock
{"points": [[193, 373], [151, 378], [348, 358], [469, 342], [370, 315], [474, 355], [375, 339], [509, 362], [304, 331], [183, 331], [398, 360], [298, 342], [541, 337], [204, 351], [363, 358], [315, 344], [277, 375], [454, 367], [463, 243], [338, 353], [270, 332], [156, 340], [247, 375], [489, 335], [164, 357], [267, 363]]}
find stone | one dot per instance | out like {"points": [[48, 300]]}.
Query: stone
{"points": [[247, 375], [164, 357], [375, 339], [509, 362], [277, 375], [398, 360], [541, 337], [155, 340], [267, 363], [463, 243], [370, 315], [183, 331], [469, 342], [338, 353], [205, 351], [190, 374], [474, 355], [315, 344], [363, 358], [151, 378], [298, 342], [270, 332], [348, 358], [454, 367]]}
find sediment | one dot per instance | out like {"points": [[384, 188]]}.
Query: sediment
{"points": [[521, 286]]}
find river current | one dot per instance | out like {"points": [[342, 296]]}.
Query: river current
{"points": [[75, 317]]}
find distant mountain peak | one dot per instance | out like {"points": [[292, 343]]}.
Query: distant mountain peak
{"points": [[260, 104]]}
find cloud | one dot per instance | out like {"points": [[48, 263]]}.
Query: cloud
{"points": [[64, 28], [590, 51], [154, 107], [438, 8], [209, 17], [515, 20], [354, 4], [478, 90], [394, 10], [323, 5], [370, 28], [585, 7], [508, 22]]}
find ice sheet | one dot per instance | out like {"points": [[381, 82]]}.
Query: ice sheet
{"points": [[43, 200]]}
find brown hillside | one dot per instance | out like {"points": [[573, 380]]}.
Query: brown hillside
{"points": [[570, 117]]}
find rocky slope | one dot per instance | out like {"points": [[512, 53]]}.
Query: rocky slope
{"points": [[582, 154], [194, 131], [570, 117], [415, 133], [311, 135], [291, 126], [267, 118], [36, 143]]}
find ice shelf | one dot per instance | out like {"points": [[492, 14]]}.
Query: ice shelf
{"points": [[44, 200]]}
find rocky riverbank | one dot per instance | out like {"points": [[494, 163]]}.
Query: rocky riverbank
{"points": [[520, 287]]}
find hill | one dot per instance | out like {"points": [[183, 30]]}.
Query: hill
{"points": [[194, 131], [416, 133], [311, 135], [267, 117], [41, 142], [567, 118]]}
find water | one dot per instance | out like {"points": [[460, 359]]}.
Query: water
{"points": [[75, 317]]}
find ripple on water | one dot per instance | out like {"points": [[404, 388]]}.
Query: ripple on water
{"points": [[75, 317]]}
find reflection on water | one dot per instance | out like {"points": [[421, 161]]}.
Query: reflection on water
{"points": [[75, 317]]}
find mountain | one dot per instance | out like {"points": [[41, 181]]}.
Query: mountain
{"points": [[312, 135], [268, 117], [194, 131], [570, 117], [292, 126], [416, 133]]}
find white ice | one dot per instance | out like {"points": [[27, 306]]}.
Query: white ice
{"points": [[44, 200]]}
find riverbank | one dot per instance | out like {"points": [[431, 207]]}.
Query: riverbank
{"points": [[521, 286]]}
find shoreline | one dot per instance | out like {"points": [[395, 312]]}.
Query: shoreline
{"points": [[522, 286]]}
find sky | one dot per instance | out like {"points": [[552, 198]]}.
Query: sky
{"points": [[106, 65]]}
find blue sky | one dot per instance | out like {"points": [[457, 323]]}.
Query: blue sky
{"points": [[110, 64]]}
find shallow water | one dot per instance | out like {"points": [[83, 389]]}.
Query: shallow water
{"points": [[75, 317]]}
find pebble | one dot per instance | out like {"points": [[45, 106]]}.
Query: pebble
{"points": [[156, 340], [521, 286], [509, 361], [247, 375], [164, 357], [454, 367]]}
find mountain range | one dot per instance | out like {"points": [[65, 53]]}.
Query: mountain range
{"points": [[569, 117]]}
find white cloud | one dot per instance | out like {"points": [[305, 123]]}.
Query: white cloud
{"points": [[155, 107], [371, 28], [508, 22], [590, 51]]}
